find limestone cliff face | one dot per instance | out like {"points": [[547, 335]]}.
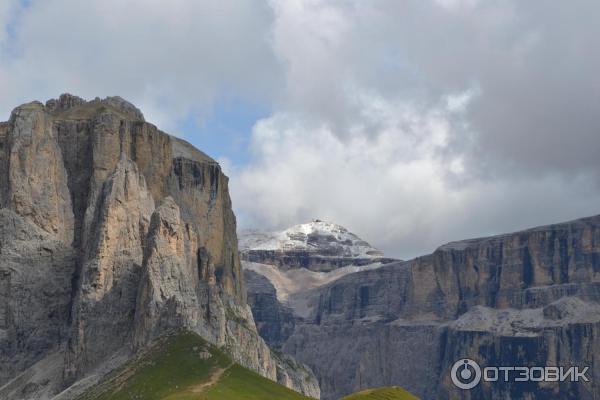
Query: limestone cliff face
{"points": [[275, 321], [37, 179], [529, 298], [112, 234]]}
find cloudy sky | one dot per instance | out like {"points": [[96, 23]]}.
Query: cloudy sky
{"points": [[412, 123]]}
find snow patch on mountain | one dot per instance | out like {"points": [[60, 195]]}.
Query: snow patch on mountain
{"points": [[316, 236]]}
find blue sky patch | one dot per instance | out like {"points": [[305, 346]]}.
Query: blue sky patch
{"points": [[226, 131]]}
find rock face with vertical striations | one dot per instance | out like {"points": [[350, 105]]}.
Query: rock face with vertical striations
{"points": [[530, 298], [113, 233]]}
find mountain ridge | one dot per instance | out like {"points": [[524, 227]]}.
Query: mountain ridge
{"points": [[526, 298]]}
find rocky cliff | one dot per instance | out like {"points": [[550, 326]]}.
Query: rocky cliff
{"points": [[274, 319], [525, 299], [111, 234]]}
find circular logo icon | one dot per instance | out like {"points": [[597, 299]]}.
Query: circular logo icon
{"points": [[465, 374]]}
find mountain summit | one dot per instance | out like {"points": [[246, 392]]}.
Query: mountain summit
{"points": [[317, 246], [317, 237], [284, 268]]}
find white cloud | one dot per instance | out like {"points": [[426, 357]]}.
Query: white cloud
{"points": [[394, 121], [8, 11], [395, 189], [169, 59], [456, 4], [387, 186], [412, 122]]}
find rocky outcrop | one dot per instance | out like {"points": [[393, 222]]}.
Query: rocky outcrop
{"points": [[166, 299], [525, 299], [112, 234]]}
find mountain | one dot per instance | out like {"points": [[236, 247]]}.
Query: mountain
{"points": [[184, 366], [112, 234], [116, 237], [317, 246], [281, 267], [529, 298]]}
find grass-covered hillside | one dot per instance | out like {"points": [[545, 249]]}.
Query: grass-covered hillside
{"points": [[388, 393], [185, 367]]}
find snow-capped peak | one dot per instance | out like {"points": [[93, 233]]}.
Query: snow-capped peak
{"points": [[317, 237]]}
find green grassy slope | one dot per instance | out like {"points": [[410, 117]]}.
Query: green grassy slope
{"points": [[388, 393], [185, 367]]}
